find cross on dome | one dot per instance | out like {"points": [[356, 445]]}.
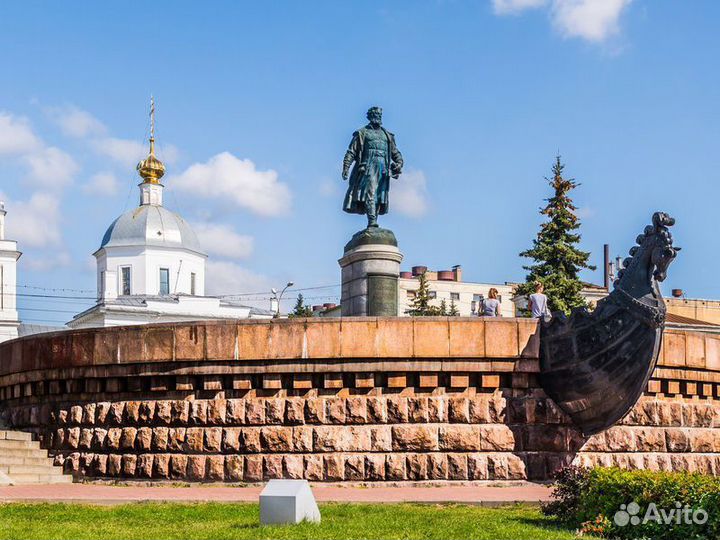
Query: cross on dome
{"points": [[151, 169]]}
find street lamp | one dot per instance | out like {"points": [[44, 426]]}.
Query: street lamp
{"points": [[279, 297]]}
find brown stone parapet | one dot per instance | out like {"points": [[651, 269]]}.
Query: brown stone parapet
{"points": [[362, 399]]}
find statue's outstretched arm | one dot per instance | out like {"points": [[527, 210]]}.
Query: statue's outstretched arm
{"points": [[397, 163]]}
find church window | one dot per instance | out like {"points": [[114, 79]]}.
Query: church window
{"points": [[125, 283], [164, 281], [192, 283]]}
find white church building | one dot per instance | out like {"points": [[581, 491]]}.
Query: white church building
{"points": [[151, 266], [9, 255]]}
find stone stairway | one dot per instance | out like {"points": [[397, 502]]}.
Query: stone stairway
{"points": [[22, 461]]}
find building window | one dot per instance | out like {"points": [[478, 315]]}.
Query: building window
{"points": [[411, 294], [192, 283], [125, 280], [454, 296], [432, 294], [164, 281]]}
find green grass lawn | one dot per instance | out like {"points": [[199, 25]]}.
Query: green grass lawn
{"points": [[213, 520]]}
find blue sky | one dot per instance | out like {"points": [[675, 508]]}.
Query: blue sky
{"points": [[256, 103]]}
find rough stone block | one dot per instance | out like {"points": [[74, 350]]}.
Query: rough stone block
{"points": [[216, 411], [418, 409], [254, 412], [273, 466], [374, 467], [356, 410], [334, 467], [457, 467], [276, 439], [377, 410], [235, 412], [459, 437], [193, 440], [231, 439], [180, 411], [416, 467], [215, 466], [274, 411], [459, 410], [196, 467], [144, 467], [313, 465], [302, 439], [250, 440], [315, 411], [395, 467], [294, 411], [128, 465], [213, 439], [253, 468], [335, 410], [415, 438], [198, 412], [477, 467], [293, 466], [234, 468], [397, 410], [143, 440], [176, 439], [160, 439]]}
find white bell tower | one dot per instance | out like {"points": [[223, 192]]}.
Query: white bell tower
{"points": [[8, 282]]}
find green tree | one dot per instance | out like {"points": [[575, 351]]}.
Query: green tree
{"points": [[557, 259], [300, 309], [453, 309], [421, 304], [443, 308]]}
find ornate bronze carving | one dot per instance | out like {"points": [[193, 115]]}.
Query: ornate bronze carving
{"points": [[595, 365]]}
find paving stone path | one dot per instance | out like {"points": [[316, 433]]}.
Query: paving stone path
{"points": [[487, 495]]}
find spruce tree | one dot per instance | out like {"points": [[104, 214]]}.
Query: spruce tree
{"points": [[300, 309], [443, 308], [557, 259], [421, 304], [453, 309]]}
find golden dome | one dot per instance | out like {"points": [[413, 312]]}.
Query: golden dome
{"points": [[151, 168]]}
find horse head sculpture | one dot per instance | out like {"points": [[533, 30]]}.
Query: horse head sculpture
{"points": [[596, 365]]}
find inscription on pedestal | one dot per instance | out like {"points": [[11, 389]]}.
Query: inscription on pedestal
{"points": [[382, 295]]}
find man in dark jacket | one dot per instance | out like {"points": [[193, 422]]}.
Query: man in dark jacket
{"points": [[376, 159]]}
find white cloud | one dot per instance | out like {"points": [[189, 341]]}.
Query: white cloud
{"points": [[329, 188], [51, 167], [44, 264], [226, 278], [592, 20], [102, 183], [222, 240], [124, 151], [35, 222], [226, 177], [16, 135], [75, 122], [408, 195], [507, 7]]}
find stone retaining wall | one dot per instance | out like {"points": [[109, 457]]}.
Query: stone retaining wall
{"points": [[361, 400]]}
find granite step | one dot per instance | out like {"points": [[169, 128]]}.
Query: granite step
{"points": [[41, 459], [59, 478], [15, 435], [22, 461]]}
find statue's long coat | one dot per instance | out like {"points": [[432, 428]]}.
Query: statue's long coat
{"points": [[354, 200]]}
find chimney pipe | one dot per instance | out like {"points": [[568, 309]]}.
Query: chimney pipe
{"points": [[606, 265]]}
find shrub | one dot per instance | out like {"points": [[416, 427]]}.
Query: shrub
{"points": [[597, 500]]}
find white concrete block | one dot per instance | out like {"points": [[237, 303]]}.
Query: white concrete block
{"points": [[288, 501]]}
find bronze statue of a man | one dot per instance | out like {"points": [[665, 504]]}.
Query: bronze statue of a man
{"points": [[376, 159]]}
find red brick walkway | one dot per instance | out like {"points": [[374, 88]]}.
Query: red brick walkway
{"points": [[106, 494]]}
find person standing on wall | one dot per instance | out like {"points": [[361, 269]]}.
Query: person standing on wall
{"points": [[491, 305], [538, 302]]}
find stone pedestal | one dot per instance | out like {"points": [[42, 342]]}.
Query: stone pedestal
{"points": [[370, 272]]}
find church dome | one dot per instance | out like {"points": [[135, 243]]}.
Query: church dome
{"points": [[151, 225]]}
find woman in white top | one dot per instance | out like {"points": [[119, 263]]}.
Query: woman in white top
{"points": [[491, 305]]}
